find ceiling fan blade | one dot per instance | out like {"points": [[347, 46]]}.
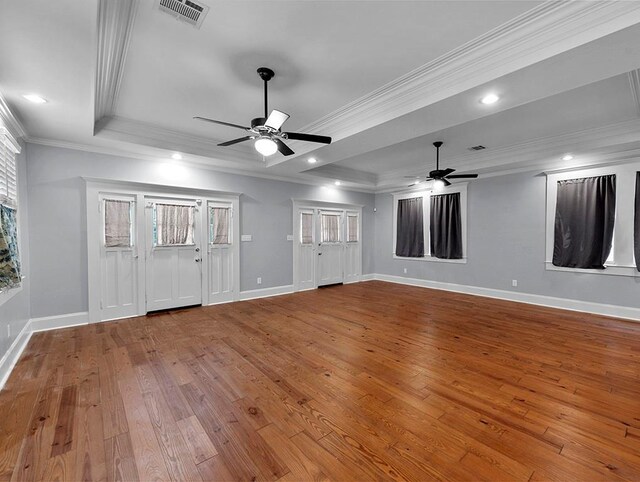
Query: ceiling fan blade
{"points": [[221, 123], [462, 176], [235, 141], [446, 172], [297, 136], [446, 183], [282, 147], [276, 119]]}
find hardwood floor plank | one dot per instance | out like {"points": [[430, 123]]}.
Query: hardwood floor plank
{"points": [[369, 381]]}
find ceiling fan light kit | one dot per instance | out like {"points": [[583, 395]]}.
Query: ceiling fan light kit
{"points": [[266, 130]]}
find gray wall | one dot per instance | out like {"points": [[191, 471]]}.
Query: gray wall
{"points": [[506, 241], [58, 220], [15, 312]]}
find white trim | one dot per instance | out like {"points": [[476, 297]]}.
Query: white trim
{"points": [[115, 24], [622, 263], [57, 322], [425, 193], [266, 292], [616, 311], [14, 352], [10, 121], [368, 277]]}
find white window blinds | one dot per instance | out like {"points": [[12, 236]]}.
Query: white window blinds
{"points": [[8, 170]]}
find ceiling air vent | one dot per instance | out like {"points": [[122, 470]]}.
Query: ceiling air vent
{"points": [[477, 148], [186, 10]]}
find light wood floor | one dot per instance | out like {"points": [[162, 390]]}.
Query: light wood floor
{"points": [[358, 382]]}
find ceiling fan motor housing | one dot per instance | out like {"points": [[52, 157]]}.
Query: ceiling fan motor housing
{"points": [[258, 122]]}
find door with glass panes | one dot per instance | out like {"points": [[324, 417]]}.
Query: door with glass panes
{"points": [[118, 256], [330, 259], [173, 256], [220, 253]]}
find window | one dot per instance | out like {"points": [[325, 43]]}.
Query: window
{"points": [[117, 223], [330, 227], [219, 223], [352, 228], [431, 225], [10, 269], [584, 221], [306, 228], [173, 224], [620, 259]]}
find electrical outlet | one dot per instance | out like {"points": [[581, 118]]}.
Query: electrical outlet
{"points": [[259, 281], [405, 271], [514, 283]]}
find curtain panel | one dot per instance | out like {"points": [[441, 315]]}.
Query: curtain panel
{"points": [[352, 229], [330, 228], [585, 215], [306, 228], [410, 228], [446, 226], [636, 223], [174, 224], [117, 223], [219, 225], [10, 274]]}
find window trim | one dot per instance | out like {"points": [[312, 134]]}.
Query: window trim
{"points": [[426, 194], [9, 142], [622, 263]]}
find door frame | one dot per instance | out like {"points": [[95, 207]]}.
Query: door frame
{"points": [[95, 187], [316, 206]]}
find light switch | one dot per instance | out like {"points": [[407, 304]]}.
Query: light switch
{"points": [[289, 237], [246, 237]]}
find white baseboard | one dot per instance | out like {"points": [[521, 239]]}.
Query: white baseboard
{"points": [[61, 321], [616, 311], [368, 277], [12, 355], [266, 292]]}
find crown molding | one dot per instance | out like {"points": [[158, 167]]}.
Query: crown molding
{"points": [[543, 32], [333, 171], [532, 155], [199, 162], [115, 23], [10, 121], [137, 132], [634, 83]]}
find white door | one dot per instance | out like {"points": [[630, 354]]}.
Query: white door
{"points": [[352, 253], [330, 259], [118, 257], [304, 240], [220, 252], [173, 265]]}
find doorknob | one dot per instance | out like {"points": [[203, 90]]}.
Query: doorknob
{"points": [[197, 260], [319, 254], [197, 250]]}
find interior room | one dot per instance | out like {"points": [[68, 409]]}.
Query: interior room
{"points": [[319, 240]]}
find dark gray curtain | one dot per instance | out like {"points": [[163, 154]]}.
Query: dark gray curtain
{"points": [[446, 226], [410, 228], [636, 223], [585, 213]]}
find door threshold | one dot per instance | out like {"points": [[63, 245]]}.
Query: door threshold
{"points": [[169, 310]]}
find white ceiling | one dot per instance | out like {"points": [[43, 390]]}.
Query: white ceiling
{"points": [[383, 78]]}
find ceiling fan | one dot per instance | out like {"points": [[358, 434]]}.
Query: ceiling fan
{"points": [[442, 176], [266, 130]]}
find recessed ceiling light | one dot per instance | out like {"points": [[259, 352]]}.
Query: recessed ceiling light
{"points": [[35, 98], [490, 99], [567, 157], [337, 183], [312, 160], [176, 155]]}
